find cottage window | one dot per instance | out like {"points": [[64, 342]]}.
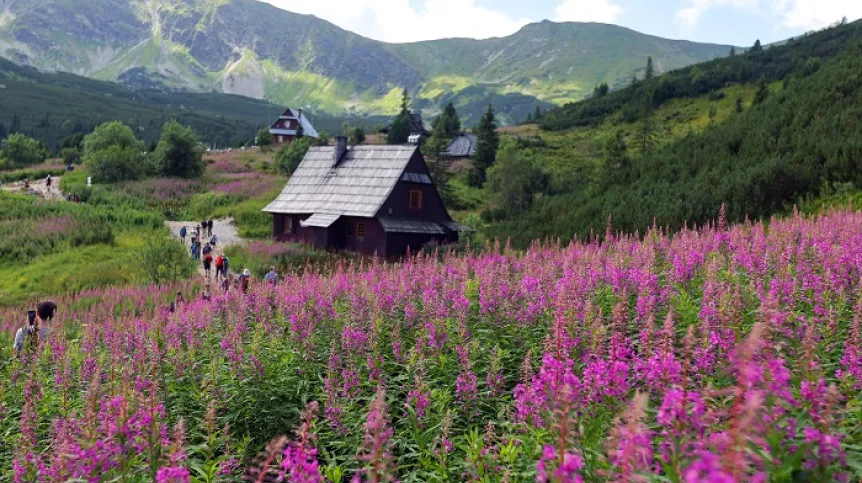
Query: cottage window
{"points": [[350, 230], [415, 200], [288, 224], [360, 231]]}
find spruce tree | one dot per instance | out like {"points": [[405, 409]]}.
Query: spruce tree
{"points": [[757, 46], [451, 121], [15, 127], [399, 131], [539, 114], [650, 70], [437, 164], [762, 92], [300, 131], [732, 51], [2, 131], [487, 143]]}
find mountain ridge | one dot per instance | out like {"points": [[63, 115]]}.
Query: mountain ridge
{"points": [[258, 50]]}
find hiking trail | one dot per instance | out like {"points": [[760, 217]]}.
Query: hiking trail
{"points": [[223, 229]]}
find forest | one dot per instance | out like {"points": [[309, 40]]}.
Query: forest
{"points": [[766, 155]]}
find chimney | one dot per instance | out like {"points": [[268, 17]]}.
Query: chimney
{"points": [[340, 149]]}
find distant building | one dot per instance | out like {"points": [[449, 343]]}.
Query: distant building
{"points": [[416, 127], [376, 200], [283, 130], [462, 147]]}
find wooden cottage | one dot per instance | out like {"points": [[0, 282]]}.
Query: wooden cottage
{"points": [[462, 147], [375, 200], [284, 128]]}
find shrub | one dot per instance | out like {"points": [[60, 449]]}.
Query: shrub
{"points": [[179, 153], [19, 150]]}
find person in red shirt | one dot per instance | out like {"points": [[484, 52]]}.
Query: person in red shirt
{"points": [[219, 267], [208, 261]]}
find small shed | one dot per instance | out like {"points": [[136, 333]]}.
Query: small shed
{"points": [[462, 147]]}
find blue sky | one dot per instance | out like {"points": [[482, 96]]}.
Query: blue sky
{"points": [[737, 22]]}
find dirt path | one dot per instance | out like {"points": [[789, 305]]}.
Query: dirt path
{"points": [[38, 188], [224, 230]]}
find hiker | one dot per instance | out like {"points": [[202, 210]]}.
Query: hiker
{"points": [[226, 283], [196, 252], [226, 266], [245, 280], [271, 277], [176, 303], [208, 249], [26, 183], [204, 228], [183, 235], [210, 227], [37, 329], [48, 182], [206, 294], [208, 261], [213, 241], [219, 261]]}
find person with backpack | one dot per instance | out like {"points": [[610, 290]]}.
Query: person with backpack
{"points": [[196, 252], [226, 266], [208, 261], [183, 233], [210, 227], [213, 241], [204, 228], [219, 261], [271, 277], [245, 280], [207, 249], [38, 328]]}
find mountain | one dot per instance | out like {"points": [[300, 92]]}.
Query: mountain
{"points": [[254, 49], [51, 106]]}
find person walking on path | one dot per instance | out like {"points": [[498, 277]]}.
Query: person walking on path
{"points": [[213, 241], [271, 277], [245, 280], [204, 229], [210, 227], [208, 261], [48, 182], [196, 252], [226, 266], [183, 233], [208, 249], [38, 328], [219, 261]]}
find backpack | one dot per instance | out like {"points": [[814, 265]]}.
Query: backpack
{"points": [[183, 232], [219, 261]]}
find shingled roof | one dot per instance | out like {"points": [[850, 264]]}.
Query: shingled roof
{"points": [[462, 146], [416, 125], [357, 186]]}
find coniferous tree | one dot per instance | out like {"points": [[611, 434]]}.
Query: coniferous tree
{"points": [[15, 127], [538, 114], [399, 131], [529, 118], [647, 127], [762, 92], [732, 51], [487, 143], [738, 104], [2, 131], [451, 121], [650, 70], [438, 165], [757, 46]]}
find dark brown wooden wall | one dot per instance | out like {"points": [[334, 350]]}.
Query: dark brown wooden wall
{"points": [[398, 204]]}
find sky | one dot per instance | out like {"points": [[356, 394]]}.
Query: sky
{"points": [[735, 22]]}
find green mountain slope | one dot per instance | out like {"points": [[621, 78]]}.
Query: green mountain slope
{"points": [[756, 132], [50, 105], [254, 49]]}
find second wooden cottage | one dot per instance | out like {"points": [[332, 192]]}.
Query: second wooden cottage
{"points": [[376, 200]]}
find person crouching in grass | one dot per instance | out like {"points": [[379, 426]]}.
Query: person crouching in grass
{"points": [[38, 328]]}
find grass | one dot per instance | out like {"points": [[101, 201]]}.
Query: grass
{"points": [[75, 269]]}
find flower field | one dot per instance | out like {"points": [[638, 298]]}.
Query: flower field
{"points": [[715, 355]]}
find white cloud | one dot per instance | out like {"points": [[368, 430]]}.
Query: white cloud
{"points": [[398, 21], [603, 11], [800, 14]]}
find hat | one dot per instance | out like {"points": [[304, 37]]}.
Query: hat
{"points": [[246, 272]]}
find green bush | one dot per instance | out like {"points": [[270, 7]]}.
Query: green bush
{"points": [[19, 150]]}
